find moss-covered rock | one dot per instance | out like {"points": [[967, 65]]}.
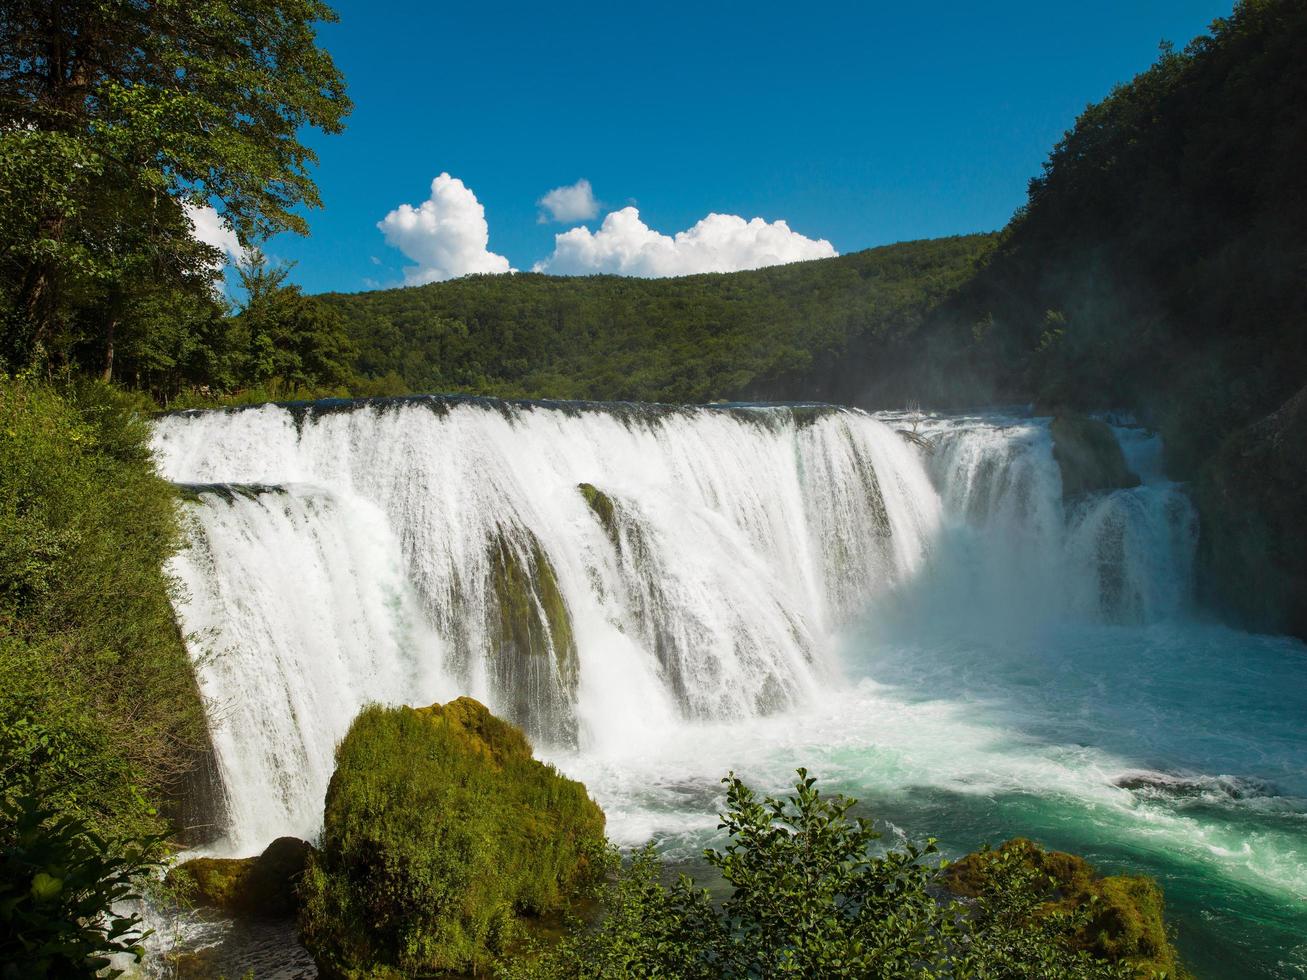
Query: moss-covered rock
{"points": [[1089, 456], [263, 886], [1253, 537], [442, 839], [1124, 921], [533, 650], [604, 510]]}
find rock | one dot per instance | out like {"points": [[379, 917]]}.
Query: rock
{"points": [[443, 842], [533, 662], [1126, 925], [259, 887], [1090, 458], [603, 508], [1252, 551]]}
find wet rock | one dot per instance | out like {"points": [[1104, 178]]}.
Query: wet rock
{"points": [[1252, 548], [261, 887], [1089, 456]]}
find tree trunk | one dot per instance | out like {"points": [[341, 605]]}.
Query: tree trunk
{"points": [[107, 375]]}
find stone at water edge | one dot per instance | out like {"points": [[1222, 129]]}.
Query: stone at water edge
{"points": [[260, 887], [1127, 924], [1090, 458]]}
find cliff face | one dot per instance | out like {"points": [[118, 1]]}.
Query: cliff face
{"points": [[1253, 543]]}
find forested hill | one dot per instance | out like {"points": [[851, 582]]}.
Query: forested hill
{"points": [[698, 338], [1161, 259], [1160, 264]]}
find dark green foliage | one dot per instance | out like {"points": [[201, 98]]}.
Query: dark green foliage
{"points": [[1159, 266], [441, 835], [115, 114], [284, 339], [99, 697], [1118, 919], [58, 879], [1253, 542], [1159, 262], [809, 896], [530, 632], [691, 339]]}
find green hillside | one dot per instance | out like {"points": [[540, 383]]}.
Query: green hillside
{"points": [[695, 338]]}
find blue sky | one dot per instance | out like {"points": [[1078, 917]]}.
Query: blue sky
{"points": [[856, 124]]}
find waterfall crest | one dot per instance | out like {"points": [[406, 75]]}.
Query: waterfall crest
{"points": [[598, 573]]}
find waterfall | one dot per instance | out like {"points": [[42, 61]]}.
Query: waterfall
{"points": [[601, 573]]}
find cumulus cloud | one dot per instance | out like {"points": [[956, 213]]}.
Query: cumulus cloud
{"points": [[575, 202], [719, 243], [446, 235], [210, 229]]}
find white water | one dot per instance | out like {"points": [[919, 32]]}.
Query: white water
{"points": [[746, 539], [937, 632]]}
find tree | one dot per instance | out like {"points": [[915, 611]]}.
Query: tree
{"points": [[117, 114], [285, 340]]}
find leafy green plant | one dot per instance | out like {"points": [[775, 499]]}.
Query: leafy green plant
{"points": [[809, 893], [99, 697], [59, 884]]}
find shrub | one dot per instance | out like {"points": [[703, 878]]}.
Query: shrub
{"points": [[99, 696], [809, 897], [58, 883], [441, 836]]}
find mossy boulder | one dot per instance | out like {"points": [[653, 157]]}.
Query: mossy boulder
{"points": [[1090, 458], [263, 886], [443, 840], [1252, 553], [1124, 921]]}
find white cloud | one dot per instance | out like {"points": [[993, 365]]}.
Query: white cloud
{"points": [[212, 230], [446, 235], [575, 202], [719, 243]]}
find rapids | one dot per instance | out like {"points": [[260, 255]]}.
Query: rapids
{"points": [[662, 594]]}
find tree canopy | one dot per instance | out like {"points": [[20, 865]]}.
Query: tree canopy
{"points": [[116, 117], [801, 330]]}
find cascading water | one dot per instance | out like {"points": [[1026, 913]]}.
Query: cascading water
{"points": [[594, 575], [659, 595]]}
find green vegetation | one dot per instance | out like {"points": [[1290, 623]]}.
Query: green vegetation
{"points": [[603, 508], [1158, 262], [786, 329], [1124, 924], [58, 878], [808, 896], [1158, 266], [1253, 549], [442, 838], [117, 118], [531, 620], [101, 718]]}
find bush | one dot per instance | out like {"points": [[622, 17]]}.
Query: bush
{"points": [[442, 836], [808, 897], [58, 883], [100, 718]]}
